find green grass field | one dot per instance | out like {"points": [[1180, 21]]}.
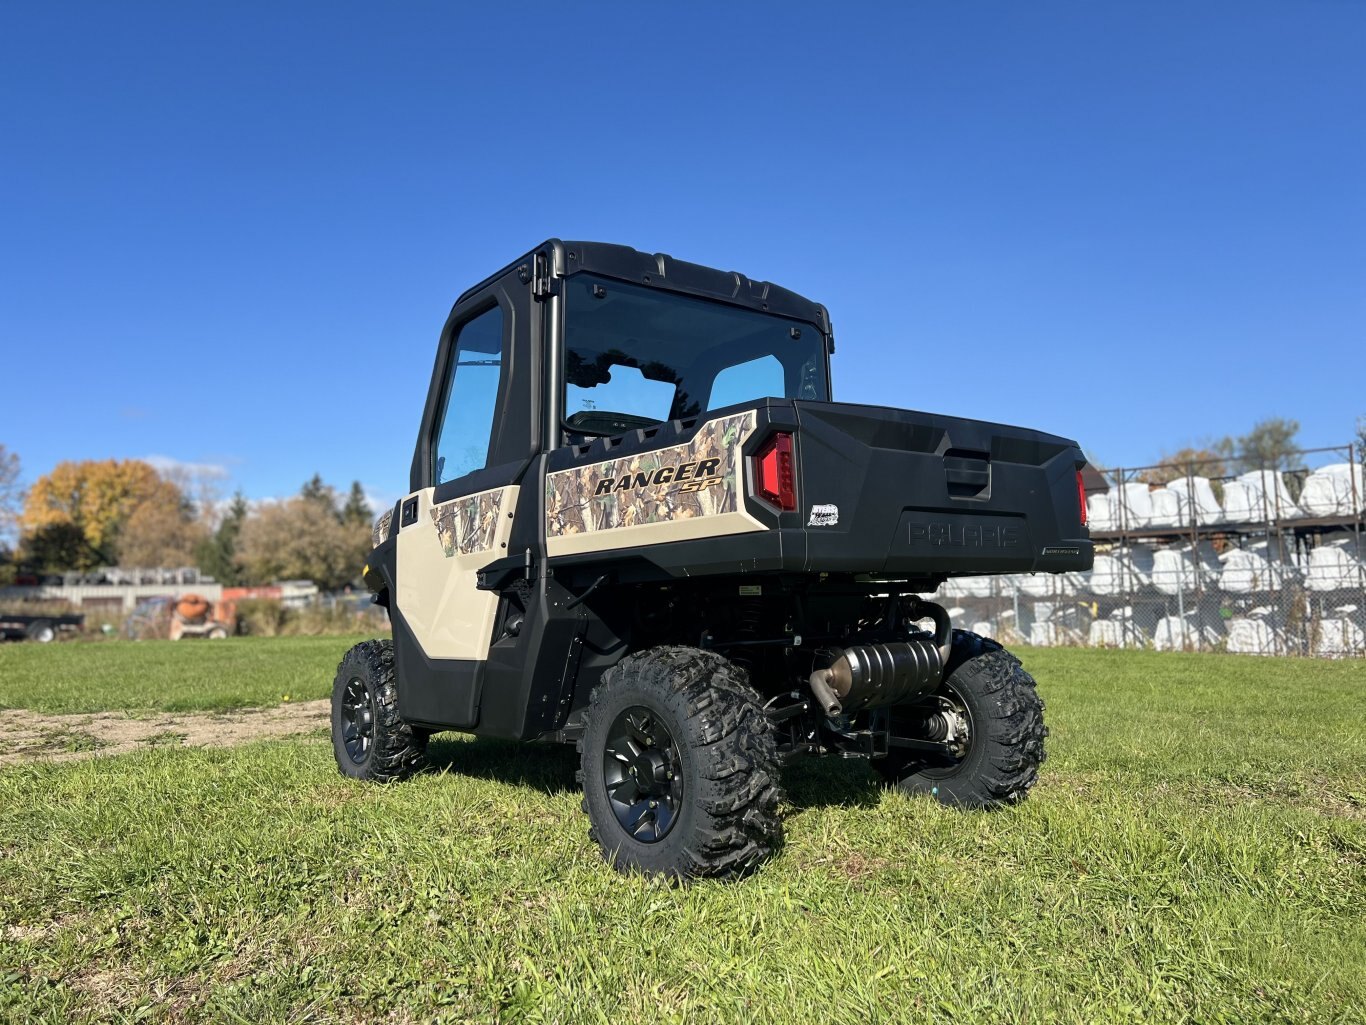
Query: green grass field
{"points": [[166, 676], [1195, 851]]}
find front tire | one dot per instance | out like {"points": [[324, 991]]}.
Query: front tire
{"points": [[370, 741], [987, 695], [679, 767]]}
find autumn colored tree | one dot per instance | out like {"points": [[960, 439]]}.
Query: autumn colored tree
{"points": [[1198, 462], [96, 497], [304, 538], [161, 531]]}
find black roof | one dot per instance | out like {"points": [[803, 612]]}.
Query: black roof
{"points": [[659, 270]]}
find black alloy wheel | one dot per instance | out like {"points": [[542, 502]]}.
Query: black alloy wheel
{"points": [[370, 739], [642, 774], [358, 719], [679, 766]]}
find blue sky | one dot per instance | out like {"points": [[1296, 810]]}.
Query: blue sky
{"points": [[229, 234]]}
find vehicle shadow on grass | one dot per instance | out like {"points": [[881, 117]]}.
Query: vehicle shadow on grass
{"points": [[831, 782], [550, 768]]}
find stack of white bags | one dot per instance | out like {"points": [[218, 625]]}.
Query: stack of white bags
{"points": [[1254, 497]]}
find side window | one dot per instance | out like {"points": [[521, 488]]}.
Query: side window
{"points": [[744, 382], [466, 424]]}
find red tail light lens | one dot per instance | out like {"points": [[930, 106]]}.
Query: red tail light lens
{"points": [[774, 477], [1081, 497]]}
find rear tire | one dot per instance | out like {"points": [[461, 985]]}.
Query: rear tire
{"points": [[985, 686], [689, 725], [370, 741], [42, 631]]}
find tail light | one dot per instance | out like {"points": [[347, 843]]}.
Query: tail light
{"points": [[774, 477], [1081, 497]]}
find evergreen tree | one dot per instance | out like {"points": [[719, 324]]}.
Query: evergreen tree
{"points": [[218, 554], [357, 509], [317, 492]]}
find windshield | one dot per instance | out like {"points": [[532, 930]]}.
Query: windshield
{"points": [[637, 356]]}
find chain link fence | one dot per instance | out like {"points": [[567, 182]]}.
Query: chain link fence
{"points": [[1192, 557]]}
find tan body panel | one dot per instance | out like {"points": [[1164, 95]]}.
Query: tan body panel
{"points": [[651, 499], [438, 563]]}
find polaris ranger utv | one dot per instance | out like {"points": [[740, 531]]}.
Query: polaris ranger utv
{"points": [[636, 522]]}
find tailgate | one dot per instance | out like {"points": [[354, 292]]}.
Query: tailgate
{"points": [[896, 491]]}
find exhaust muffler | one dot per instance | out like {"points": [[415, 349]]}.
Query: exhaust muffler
{"points": [[876, 675]]}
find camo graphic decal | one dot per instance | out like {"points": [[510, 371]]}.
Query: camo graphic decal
{"points": [[676, 483], [467, 525], [380, 531]]}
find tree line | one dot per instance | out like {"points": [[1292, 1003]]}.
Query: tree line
{"points": [[1271, 444], [111, 512]]}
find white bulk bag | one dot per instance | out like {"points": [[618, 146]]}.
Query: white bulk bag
{"points": [[1169, 508], [950, 588], [1122, 571], [1334, 566], [1255, 634], [1197, 494], [1254, 568], [1047, 585], [1137, 560], [1098, 515], [1107, 575], [1328, 490], [1256, 496], [1118, 631], [977, 587], [1181, 567], [1173, 633], [1340, 636], [1130, 506], [1044, 635]]}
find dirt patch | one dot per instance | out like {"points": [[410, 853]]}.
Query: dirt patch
{"points": [[65, 738]]}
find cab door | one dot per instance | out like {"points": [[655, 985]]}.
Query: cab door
{"points": [[474, 447]]}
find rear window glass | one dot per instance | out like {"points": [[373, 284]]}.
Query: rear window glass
{"points": [[636, 356]]}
